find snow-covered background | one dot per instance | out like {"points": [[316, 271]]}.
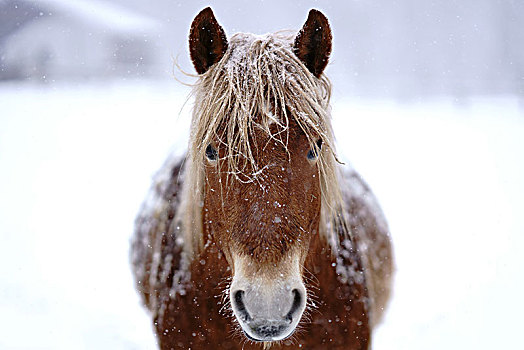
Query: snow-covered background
{"points": [[76, 162], [446, 163]]}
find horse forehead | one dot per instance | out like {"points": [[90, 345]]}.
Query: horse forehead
{"points": [[275, 129], [275, 158]]}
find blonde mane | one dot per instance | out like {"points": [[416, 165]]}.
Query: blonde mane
{"points": [[258, 76]]}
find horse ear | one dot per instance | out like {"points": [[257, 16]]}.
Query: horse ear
{"points": [[207, 41], [313, 42]]}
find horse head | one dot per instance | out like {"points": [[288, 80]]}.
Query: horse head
{"points": [[261, 149]]}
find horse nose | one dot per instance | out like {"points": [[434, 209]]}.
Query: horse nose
{"points": [[268, 313]]}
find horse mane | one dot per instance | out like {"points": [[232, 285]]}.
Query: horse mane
{"points": [[259, 81]]}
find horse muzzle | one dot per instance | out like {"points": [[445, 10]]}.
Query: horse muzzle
{"points": [[268, 310]]}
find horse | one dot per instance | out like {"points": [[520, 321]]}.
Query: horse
{"points": [[259, 236]]}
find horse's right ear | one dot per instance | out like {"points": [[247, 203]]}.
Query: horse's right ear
{"points": [[207, 41]]}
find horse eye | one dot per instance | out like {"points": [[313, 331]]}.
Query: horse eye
{"points": [[211, 153], [315, 152]]}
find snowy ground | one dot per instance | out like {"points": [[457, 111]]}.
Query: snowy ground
{"points": [[75, 164]]}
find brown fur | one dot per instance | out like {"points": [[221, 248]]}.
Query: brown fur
{"points": [[262, 202], [242, 216]]}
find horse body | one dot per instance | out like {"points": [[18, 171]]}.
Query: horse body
{"points": [[257, 232]]}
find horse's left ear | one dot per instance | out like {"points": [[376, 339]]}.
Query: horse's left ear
{"points": [[207, 41], [313, 42]]}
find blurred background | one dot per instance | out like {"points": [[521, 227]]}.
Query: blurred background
{"points": [[428, 105], [400, 49]]}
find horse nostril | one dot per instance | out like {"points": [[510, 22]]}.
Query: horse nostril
{"points": [[238, 299], [297, 303]]}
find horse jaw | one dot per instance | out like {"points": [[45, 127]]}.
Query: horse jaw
{"points": [[268, 305]]}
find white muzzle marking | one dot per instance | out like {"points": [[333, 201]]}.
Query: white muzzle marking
{"points": [[268, 309]]}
